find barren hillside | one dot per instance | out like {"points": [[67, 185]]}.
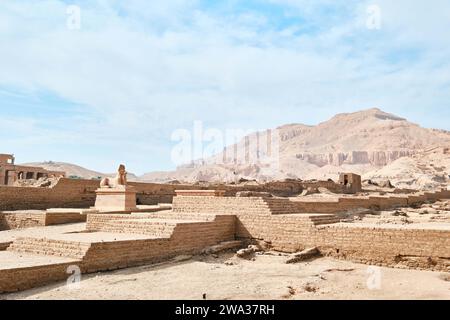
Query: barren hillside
{"points": [[75, 170], [360, 142], [427, 170]]}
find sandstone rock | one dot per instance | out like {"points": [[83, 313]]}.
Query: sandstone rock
{"points": [[181, 258], [222, 247], [247, 194], [263, 245], [324, 190], [248, 252], [303, 255]]}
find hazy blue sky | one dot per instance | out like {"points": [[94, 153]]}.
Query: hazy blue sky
{"points": [[116, 88]]}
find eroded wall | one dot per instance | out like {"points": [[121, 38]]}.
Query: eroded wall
{"points": [[71, 193], [415, 247]]}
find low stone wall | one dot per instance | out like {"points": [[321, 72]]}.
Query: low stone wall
{"points": [[417, 248], [21, 220], [237, 205], [73, 193], [220, 205], [260, 218], [187, 238], [63, 218], [16, 279], [387, 246], [67, 193]]}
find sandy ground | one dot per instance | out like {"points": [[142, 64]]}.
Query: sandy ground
{"points": [[268, 277], [11, 235]]}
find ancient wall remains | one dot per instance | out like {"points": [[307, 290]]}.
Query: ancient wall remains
{"points": [[15, 279], [387, 246], [186, 238], [292, 231], [67, 193], [55, 218], [21, 220], [36, 218], [72, 193], [274, 205]]}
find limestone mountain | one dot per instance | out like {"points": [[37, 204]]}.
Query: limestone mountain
{"points": [[361, 142]]}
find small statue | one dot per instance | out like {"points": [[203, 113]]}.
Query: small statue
{"points": [[119, 180], [121, 176]]}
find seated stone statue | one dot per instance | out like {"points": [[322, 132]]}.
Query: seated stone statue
{"points": [[119, 180]]}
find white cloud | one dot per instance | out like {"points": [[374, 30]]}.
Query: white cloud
{"points": [[145, 68]]}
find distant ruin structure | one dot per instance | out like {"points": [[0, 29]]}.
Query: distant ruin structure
{"points": [[10, 172], [351, 181]]}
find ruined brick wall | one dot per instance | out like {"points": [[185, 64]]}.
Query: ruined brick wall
{"points": [[63, 218], [3, 225], [16, 279], [415, 248], [187, 238], [220, 205], [66, 193], [236, 205], [21, 220], [387, 246], [71, 193]]}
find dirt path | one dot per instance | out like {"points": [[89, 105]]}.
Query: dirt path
{"points": [[268, 277]]}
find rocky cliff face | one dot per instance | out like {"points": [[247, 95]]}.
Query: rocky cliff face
{"points": [[375, 158]]}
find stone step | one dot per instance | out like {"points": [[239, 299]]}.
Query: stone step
{"points": [[151, 227], [51, 247]]}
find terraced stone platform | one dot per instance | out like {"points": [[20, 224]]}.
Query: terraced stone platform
{"points": [[112, 241], [143, 238]]}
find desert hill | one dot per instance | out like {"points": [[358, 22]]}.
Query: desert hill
{"points": [[75, 170], [360, 142], [426, 170]]}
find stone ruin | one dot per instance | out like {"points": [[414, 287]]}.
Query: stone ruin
{"points": [[119, 233], [115, 194], [10, 173]]}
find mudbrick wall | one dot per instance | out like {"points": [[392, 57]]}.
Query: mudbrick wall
{"points": [[16, 279], [185, 238], [258, 218], [67, 193], [19, 220], [189, 237], [198, 222], [274, 205], [71, 193], [414, 248]]}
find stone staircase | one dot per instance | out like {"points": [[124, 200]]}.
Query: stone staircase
{"points": [[157, 225], [281, 206], [50, 247], [151, 227]]}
